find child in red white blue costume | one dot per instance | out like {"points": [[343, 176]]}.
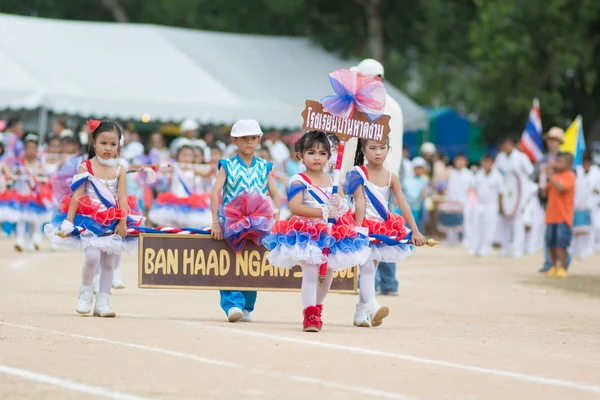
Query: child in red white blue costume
{"points": [[182, 206], [245, 212], [96, 217], [30, 201], [371, 186], [307, 239]]}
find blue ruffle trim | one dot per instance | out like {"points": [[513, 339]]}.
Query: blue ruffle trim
{"points": [[302, 240]]}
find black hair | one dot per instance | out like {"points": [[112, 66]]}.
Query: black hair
{"points": [[12, 123], [105, 126], [359, 157], [68, 140], [458, 155], [587, 156], [311, 138], [2, 150], [487, 157], [508, 139], [567, 156], [52, 139], [187, 146]]}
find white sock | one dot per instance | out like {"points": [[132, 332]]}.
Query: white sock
{"points": [[107, 265], [323, 289], [92, 258], [310, 282], [367, 282]]}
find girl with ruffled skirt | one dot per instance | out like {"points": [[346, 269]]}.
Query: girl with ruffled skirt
{"points": [[96, 217], [30, 201], [183, 206], [307, 239], [371, 185]]}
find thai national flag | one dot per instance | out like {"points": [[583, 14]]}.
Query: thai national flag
{"points": [[531, 141]]}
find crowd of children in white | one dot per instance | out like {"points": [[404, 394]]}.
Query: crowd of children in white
{"points": [[174, 185]]}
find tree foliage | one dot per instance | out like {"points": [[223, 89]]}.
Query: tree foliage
{"points": [[485, 58]]}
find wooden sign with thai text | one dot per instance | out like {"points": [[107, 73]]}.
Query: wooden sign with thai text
{"points": [[199, 262], [315, 117]]}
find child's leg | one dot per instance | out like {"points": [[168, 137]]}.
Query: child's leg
{"points": [[36, 233], [103, 306], [117, 282], [92, 258], [310, 297], [367, 282], [367, 294], [230, 301], [554, 256], [20, 233], [323, 289], [249, 299], [86, 290], [107, 265], [310, 283]]}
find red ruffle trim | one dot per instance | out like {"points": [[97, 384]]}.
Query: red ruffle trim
{"points": [[43, 197], [194, 200], [344, 227], [100, 214], [395, 226]]}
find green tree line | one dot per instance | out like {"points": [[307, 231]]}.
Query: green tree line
{"points": [[488, 59]]}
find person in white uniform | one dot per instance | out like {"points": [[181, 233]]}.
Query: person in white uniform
{"points": [[488, 185], [460, 183], [513, 228], [588, 180]]}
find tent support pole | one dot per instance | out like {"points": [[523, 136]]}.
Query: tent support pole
{"points": [[43, 124]]}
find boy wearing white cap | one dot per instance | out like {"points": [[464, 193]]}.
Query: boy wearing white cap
{"points": [[244, 181]]}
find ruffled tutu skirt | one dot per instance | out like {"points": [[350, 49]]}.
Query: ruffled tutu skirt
{"points": [[98, 224], [301, 241], [33, 207], [181, 212], [388, 248], [248, 216]]}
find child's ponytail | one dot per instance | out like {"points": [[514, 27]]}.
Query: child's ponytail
{"points": [[359, 157]]}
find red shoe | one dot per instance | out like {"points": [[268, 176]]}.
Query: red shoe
{"points": [[312, 320], [320, 308]]}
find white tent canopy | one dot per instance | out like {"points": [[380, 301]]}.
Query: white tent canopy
{"points": [[127, 70]]}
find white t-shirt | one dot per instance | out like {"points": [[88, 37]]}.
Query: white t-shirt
{"points": [[488, 187]]}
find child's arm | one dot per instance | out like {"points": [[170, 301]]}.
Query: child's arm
{"points": [[417, 237], [217, 234], [360, 205], [297, 208], [205, 173], [274, 194], [76, 195], [121, 229]]}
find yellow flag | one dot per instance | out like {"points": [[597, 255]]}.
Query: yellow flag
{"points": [[571, 136]]}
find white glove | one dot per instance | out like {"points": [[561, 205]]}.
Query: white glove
{"points": [[150, 175], [67, 227], [337, 206]]}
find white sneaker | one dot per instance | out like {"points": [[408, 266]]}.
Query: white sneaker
{"points": [[96, 284], [117, 282], [84, 301], [102, 307], [234, 314], [20, 245], [377, 313], [247, 317], [361, 317]]}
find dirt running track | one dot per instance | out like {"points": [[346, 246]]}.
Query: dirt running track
{"points": [[462, 328]]}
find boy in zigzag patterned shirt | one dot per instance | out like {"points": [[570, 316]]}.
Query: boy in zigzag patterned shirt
{"points": [[246, 212]]}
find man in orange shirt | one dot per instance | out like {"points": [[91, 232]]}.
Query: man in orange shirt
{"points": [[559, 212]]}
